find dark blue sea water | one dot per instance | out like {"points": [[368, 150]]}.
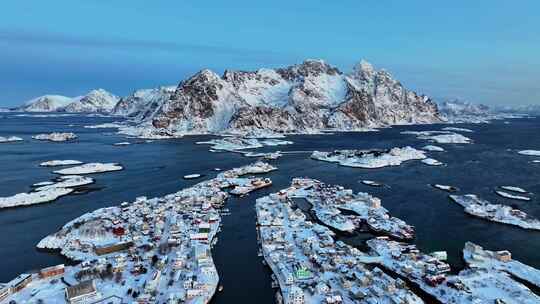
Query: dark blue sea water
{"points": [[155, 169]]}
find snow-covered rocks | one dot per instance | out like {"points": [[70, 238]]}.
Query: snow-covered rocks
{"points": [[55, 163], [370, 159], [455, 129], [108, 125], [9, 139], [440, 137], [432, 148], [32, 198], [56, 136], [494, 212], [255, 168], [267, 156], [432, 162], [514, 189], [446, 188], [529, 152], [512, 196], [90, 168], [72, 181], [372, 183], [240, 143]]}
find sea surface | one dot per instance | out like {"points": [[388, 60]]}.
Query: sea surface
{"points": [[156, 168]]}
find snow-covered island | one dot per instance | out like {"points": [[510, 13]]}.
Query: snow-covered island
{"points": [[432, 162], [432, 148], [56, 163], [155, 250], [56, 136], [512, 196], [310, 266], [33, 198], [471, 285], [47, 191], [446, 188], [90, 168], [328, 201], [440, 137], [370, 159], [240, 143], [9, 139], [495, 212]]}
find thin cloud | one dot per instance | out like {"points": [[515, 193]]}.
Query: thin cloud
{"points": [[56, 39]]}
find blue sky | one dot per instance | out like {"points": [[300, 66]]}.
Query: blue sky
{"points": [[482, 51]]}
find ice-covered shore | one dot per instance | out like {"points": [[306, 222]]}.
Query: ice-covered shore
{"points": [[56, 136], [495, 212], [90, 168], [370, 159]]}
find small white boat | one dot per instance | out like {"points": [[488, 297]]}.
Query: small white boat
{"points": [[192, 176]]}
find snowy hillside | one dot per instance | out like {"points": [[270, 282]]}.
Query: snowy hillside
{"points": [[96, 101], [46, 103], [142, 103]]}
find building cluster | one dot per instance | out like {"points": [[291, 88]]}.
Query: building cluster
{"points": [[148, 251], [471, 285], [311, 267], [480, 258], [328, 200]]}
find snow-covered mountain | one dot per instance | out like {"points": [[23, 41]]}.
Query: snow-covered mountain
{"points": [[96, 101], [456, 108], [46, 103], [458, 111], [303, 98], [142, 103]]}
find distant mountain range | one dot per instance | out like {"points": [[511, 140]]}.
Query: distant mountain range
{"points": [[303, 98], [96, 101]]}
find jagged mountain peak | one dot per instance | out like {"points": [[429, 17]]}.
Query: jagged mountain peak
{"points": [[305, 97], [308, 68]]}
